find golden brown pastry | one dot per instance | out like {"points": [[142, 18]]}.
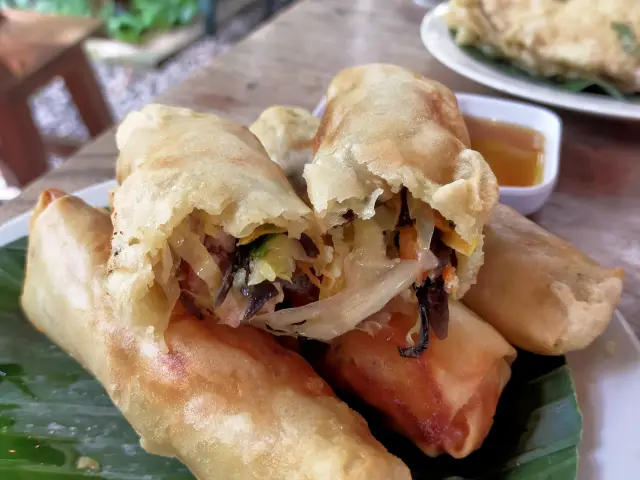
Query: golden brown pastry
{"points": [[386, 128], [538, 290], [567, 39], [287, 135], [204, 215], [395, 183], [443, 401], [230, 403]]}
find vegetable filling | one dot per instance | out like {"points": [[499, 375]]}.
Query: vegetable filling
{"points": [[397, 252], [237, 279], [433, 288], [288, 287]]}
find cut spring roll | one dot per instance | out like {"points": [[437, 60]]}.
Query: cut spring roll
{"points": [[230, 403], [393, 179], [443, 401], [203, 215], [539, 291], [206, 217]]}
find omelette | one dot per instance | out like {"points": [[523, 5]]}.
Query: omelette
{"points": [[563, 39]]}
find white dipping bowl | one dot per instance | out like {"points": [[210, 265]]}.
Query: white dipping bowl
{"points": [[525, 200]]}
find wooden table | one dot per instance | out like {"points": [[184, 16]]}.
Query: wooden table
{"points": [[34, 49], [292, 59]]}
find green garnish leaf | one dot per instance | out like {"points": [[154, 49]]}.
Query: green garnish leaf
{"points": [[583, 84], [12, 372], [627, 38], [128, 21]]}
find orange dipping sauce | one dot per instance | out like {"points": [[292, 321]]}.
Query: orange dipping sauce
{"points": [[515, 153]]}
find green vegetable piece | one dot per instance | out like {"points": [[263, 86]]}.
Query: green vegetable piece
{"points": [[260, 247], [627, 38]]}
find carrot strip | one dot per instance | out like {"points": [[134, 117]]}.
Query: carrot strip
{"points": [[449, 277], [408, 243], [441, 223], [307, 271]]}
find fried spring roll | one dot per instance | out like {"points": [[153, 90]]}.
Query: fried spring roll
{"points": [[443, 401], [230, 403], [202, 215], [538, 290], [287, 134], [205, 217], [386, 129], [394, 180]]}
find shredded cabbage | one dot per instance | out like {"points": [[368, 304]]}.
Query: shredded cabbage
{"points": [[235, 304], [211, 228], [425, 226], [164, 272], [187, 245], [366, 248], [371, 281], [332, 279], [369, 255], [166, 267], [387, 214], [279, 260], [332, 317], [223, 240], [260, 231]]}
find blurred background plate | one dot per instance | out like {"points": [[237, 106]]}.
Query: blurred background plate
{"points": [[437, 38]]}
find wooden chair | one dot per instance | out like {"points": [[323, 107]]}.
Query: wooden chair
{"points": [[34, 49]]}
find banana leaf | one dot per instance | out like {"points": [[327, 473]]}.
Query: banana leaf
{"points": [[52, 413]]}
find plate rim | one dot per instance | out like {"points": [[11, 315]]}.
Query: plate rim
{"points": [[458, 61], [90, 194]]}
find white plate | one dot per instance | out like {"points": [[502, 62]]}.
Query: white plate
{"points": [[96, 195], [608, 385], [435, 35]]}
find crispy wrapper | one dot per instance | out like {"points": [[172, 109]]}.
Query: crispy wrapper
{"points": [[385, 128], [538, 290], [230, 403], [287, 134], [445, 400], [173, 163]]}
